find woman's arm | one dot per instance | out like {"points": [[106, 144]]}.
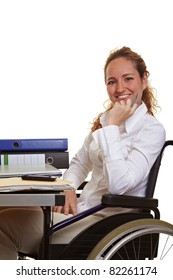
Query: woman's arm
{"points": [[80, 165], [124, 173]]}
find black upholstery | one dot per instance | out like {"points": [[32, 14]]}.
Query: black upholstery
{"points": [[155, 170], [80, 247]]}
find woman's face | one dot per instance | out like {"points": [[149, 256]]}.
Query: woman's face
{"points": [[123, 81]]}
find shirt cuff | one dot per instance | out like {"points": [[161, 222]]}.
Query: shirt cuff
{"points": [[106, 139]]}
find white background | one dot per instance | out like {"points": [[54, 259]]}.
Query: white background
{"points": [[52, 55]]}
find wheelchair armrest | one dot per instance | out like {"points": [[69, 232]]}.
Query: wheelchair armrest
{"points": [[110, 200], [127, 201]]}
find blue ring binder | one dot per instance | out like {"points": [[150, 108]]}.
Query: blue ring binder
{"points": [[49, 144]]}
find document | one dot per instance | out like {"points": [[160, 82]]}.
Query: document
{"points": [[17, 184]]}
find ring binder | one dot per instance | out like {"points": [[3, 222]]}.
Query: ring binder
{"points": [[49, 144], [57, 159]]}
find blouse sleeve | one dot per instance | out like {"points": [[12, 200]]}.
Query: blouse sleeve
{"points": [[80, 165], [124, 174]]}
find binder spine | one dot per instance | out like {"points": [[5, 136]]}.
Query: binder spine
{"points": [[55, 144], [60, 160]]}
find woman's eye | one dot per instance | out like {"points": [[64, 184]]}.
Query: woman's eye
{"points": [[110, 82], [129, 78]]}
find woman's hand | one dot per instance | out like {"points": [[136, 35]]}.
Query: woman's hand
{"points": [[70, 206], [120, 112]]}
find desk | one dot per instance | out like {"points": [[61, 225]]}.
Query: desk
{"points": [[36, 198]]}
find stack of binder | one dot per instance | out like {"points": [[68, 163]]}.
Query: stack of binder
{"points": [[53, 151]]}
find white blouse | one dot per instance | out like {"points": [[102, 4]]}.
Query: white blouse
{"points": [[119, 158]]}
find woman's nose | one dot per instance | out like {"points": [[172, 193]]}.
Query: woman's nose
{"points": [[120, 87]]}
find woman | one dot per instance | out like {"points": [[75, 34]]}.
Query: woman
{"points": [[119, 152]]}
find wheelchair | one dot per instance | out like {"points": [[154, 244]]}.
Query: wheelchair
{"points": [[137, 234]]}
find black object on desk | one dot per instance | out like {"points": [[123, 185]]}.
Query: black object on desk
{"points": [[36, 177]]}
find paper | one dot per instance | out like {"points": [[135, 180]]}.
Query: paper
{"points": [[17, 184]]}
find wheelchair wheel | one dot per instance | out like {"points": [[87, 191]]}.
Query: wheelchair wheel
{"points": [[136, 240]]}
